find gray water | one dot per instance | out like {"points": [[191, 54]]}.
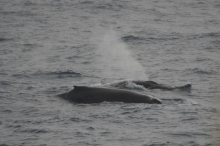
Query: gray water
{"points": [[47, 46]]}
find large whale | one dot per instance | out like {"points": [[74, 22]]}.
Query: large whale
{"points": [[153, 85], [83, 94]]}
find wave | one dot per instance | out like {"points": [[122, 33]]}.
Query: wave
{"points": [[168, 37], [179, 101], [162, 38], [58, 74], [102, 5], [202, 72], [132, 38], [109, 6], [4, 39], [3, 144], [213, 35], [75, 119], [32, 130], [5, 83], [5, 52], [188, 134]]}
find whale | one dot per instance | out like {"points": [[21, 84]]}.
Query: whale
{"points": [[153, 85], [87, 95]]}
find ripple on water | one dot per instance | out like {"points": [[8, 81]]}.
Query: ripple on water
{"points": [[58, 74], [74, 119], [5, 39], [189, 134], [200, 71], [31, 130]]}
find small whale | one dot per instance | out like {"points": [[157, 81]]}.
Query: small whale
{"points": [[83, 94], [153, 85]]}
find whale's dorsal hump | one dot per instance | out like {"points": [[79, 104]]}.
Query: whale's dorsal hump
{"points": [[79, 88]]}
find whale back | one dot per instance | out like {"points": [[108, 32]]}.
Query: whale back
{"points": [[83, 94], [80, 88]]}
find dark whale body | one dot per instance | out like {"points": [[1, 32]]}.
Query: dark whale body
{"points": [[82, 94], [153, 85]]}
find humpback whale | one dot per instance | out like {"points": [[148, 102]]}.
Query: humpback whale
{"points": [[153, 85], [83, 94]]}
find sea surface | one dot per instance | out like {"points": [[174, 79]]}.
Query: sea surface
{"points": [[47, 46]]}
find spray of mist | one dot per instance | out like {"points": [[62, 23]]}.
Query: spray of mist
{"points": [[115, 59]]}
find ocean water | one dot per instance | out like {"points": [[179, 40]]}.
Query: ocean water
{"points": [[47, 46]]}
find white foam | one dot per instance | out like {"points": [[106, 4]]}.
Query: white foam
{"points": [[191, 102]]}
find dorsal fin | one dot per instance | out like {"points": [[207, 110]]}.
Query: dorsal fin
{"points": [[78, 88]]}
